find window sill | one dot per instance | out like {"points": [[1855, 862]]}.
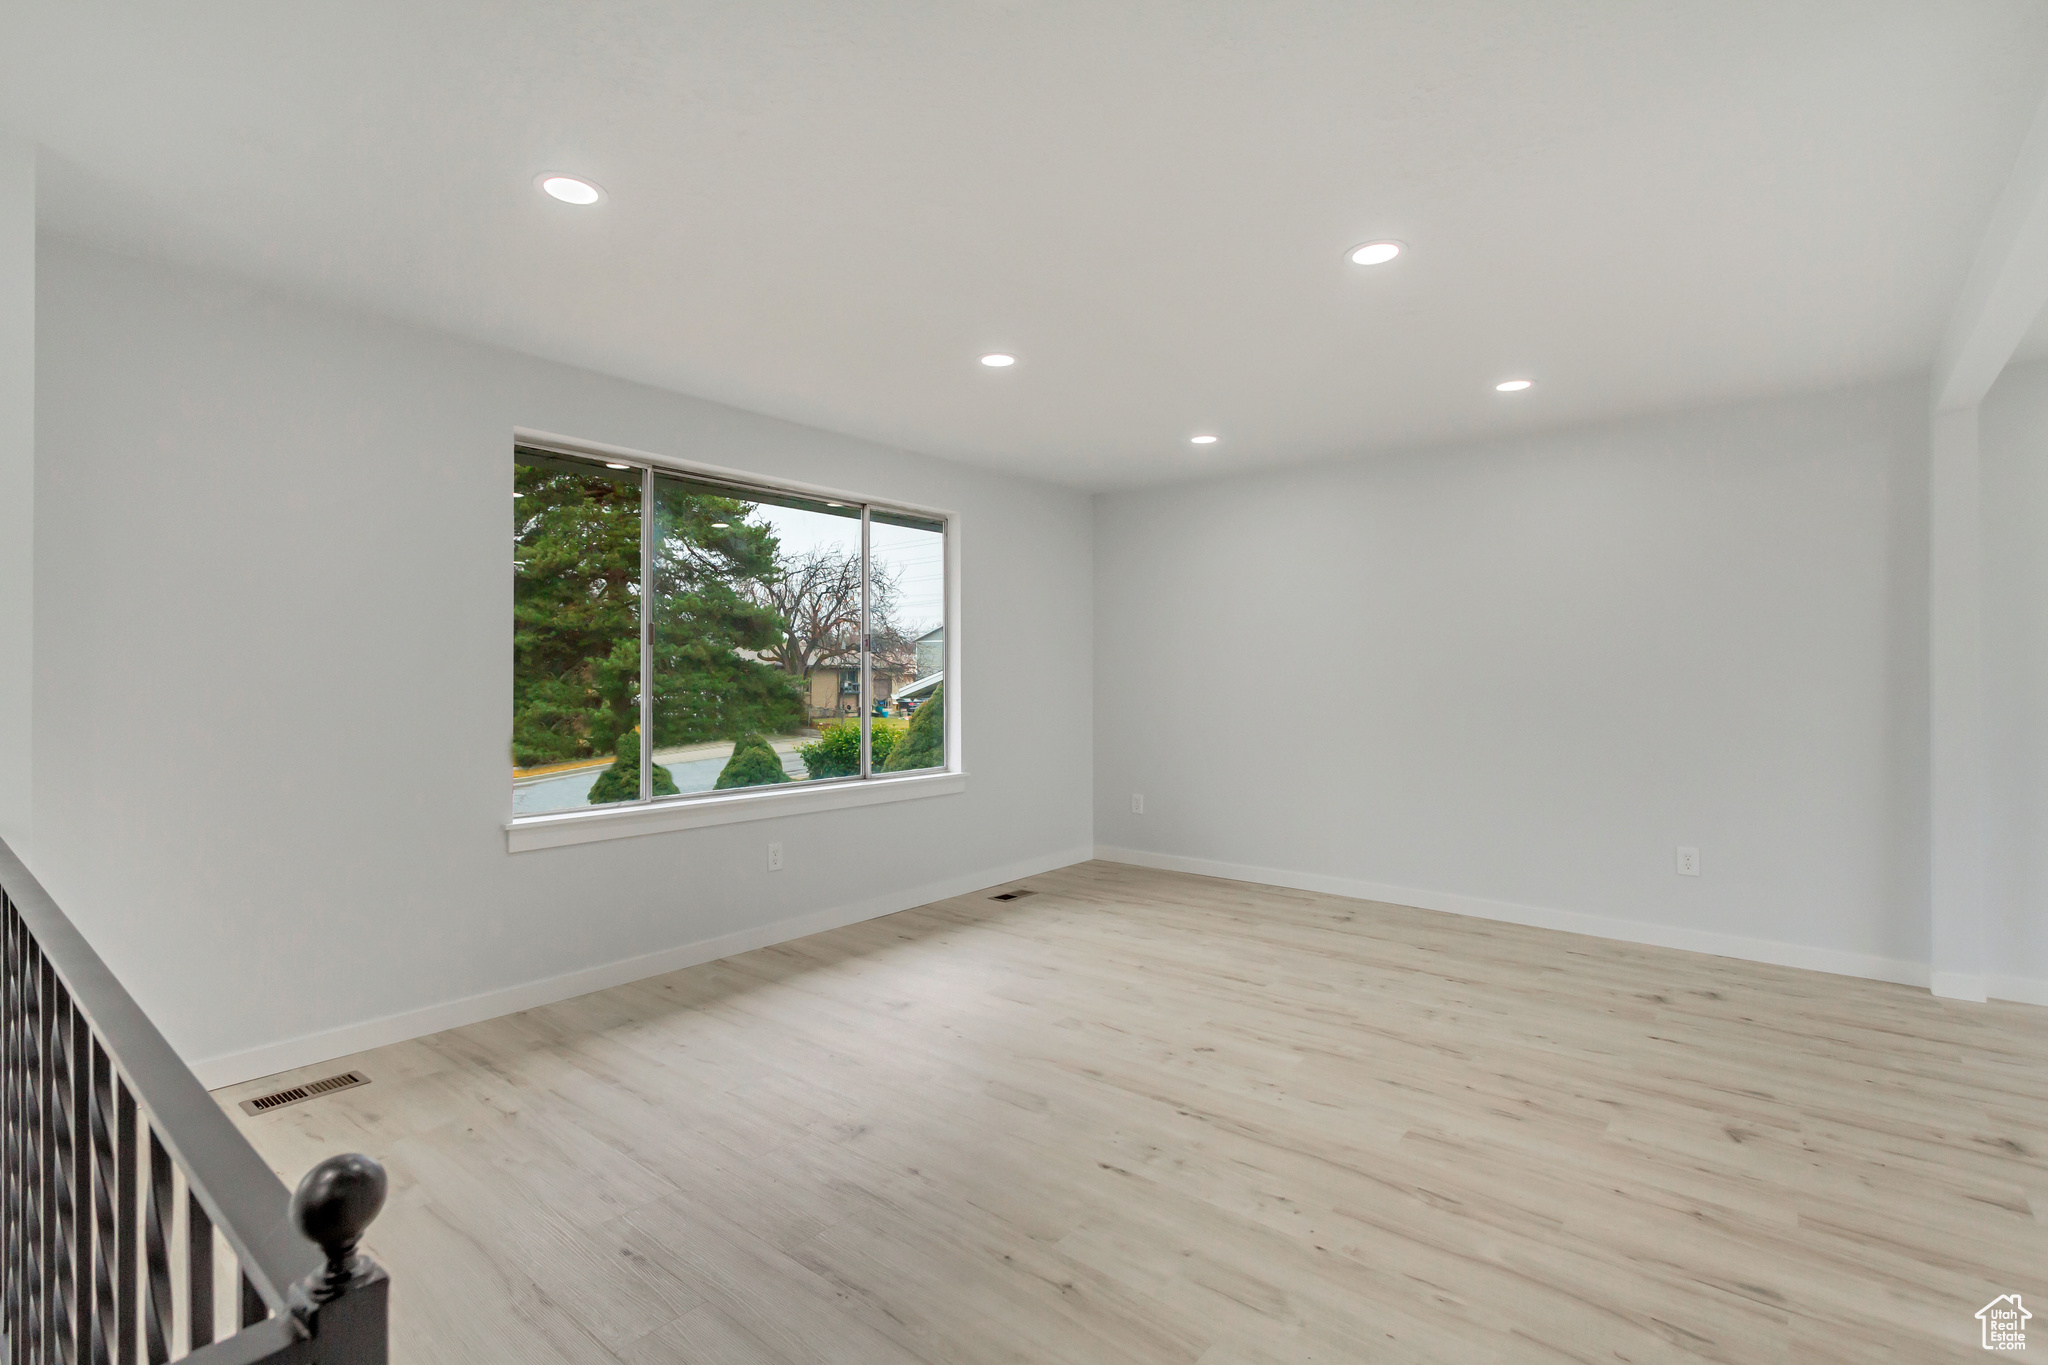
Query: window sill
{"points": [[592, 826]]}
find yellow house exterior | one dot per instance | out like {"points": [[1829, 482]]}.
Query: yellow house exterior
{"points": [[835, 688]]}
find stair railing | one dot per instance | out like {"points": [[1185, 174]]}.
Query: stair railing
{"points": [[137, 1224]]}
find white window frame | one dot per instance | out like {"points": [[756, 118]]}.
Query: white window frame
{"points": [[699, 810]]}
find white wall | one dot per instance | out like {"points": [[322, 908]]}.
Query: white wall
{"points": [[17, 483], [1513, 678], [2013, 445], [273, 632]]}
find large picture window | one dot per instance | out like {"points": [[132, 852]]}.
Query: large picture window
{"points": [[676, 636]]}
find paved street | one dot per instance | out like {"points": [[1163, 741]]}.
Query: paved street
{"points": [[694, 769]]}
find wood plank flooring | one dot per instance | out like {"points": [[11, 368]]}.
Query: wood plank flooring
{"points": [[1148, 1117]]}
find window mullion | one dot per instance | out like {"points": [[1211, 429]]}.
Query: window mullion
{"points": [[647, 634], [867, 705]]}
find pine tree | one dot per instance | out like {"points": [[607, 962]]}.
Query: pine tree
{"points": [[924, 744], [621, 781], [576, 614], [754, 763], [704, 612]]}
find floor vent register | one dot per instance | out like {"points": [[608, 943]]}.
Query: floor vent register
{"points": [[292, 1094]]}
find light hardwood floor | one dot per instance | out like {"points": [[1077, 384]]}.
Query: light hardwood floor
{"points": [[1151, 1117]]}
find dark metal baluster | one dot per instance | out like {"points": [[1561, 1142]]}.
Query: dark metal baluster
{"points": [[199, 1242], [64, 1211], [254, 1310], [106, 1321], [81, 1182], [18, 1137], [31, 1151], [124, 1159], [10, 1237], [17, 1112], [51, 1254], [156, 1242]]}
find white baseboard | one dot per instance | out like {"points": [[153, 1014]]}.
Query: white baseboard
{"points": [[1778, 954], [328, 1044], [2026, 990], [1959, 986]]}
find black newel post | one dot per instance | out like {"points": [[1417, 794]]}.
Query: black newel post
{"points": [[344, 1304]]}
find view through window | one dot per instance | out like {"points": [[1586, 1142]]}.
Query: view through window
{"points": [[753, 605]]}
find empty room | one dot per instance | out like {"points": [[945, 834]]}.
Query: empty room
{"points": [[1021, 682]]}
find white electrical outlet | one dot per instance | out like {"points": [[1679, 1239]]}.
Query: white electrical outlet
{"points": [[775, 857], [1137, 803], [1688, 862]]}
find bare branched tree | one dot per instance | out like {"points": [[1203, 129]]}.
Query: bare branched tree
{"points": [[817, 595]]}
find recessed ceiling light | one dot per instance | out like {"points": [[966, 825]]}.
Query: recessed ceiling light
{"points": [[1202, 440], [998, 360], [1375, 253], [570, 190], [1512, 385], [610, 465]]}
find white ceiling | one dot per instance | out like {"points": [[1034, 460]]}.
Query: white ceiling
{"points": [[827, 210]]}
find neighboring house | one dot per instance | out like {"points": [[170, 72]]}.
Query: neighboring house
{"points": [[922, 688], [835, 688], [931, 652]]}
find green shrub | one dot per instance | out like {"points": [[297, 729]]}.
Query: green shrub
{"points": [[621, 781], [754, 763], [884, 736], [924, 743], [836, 750]]}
